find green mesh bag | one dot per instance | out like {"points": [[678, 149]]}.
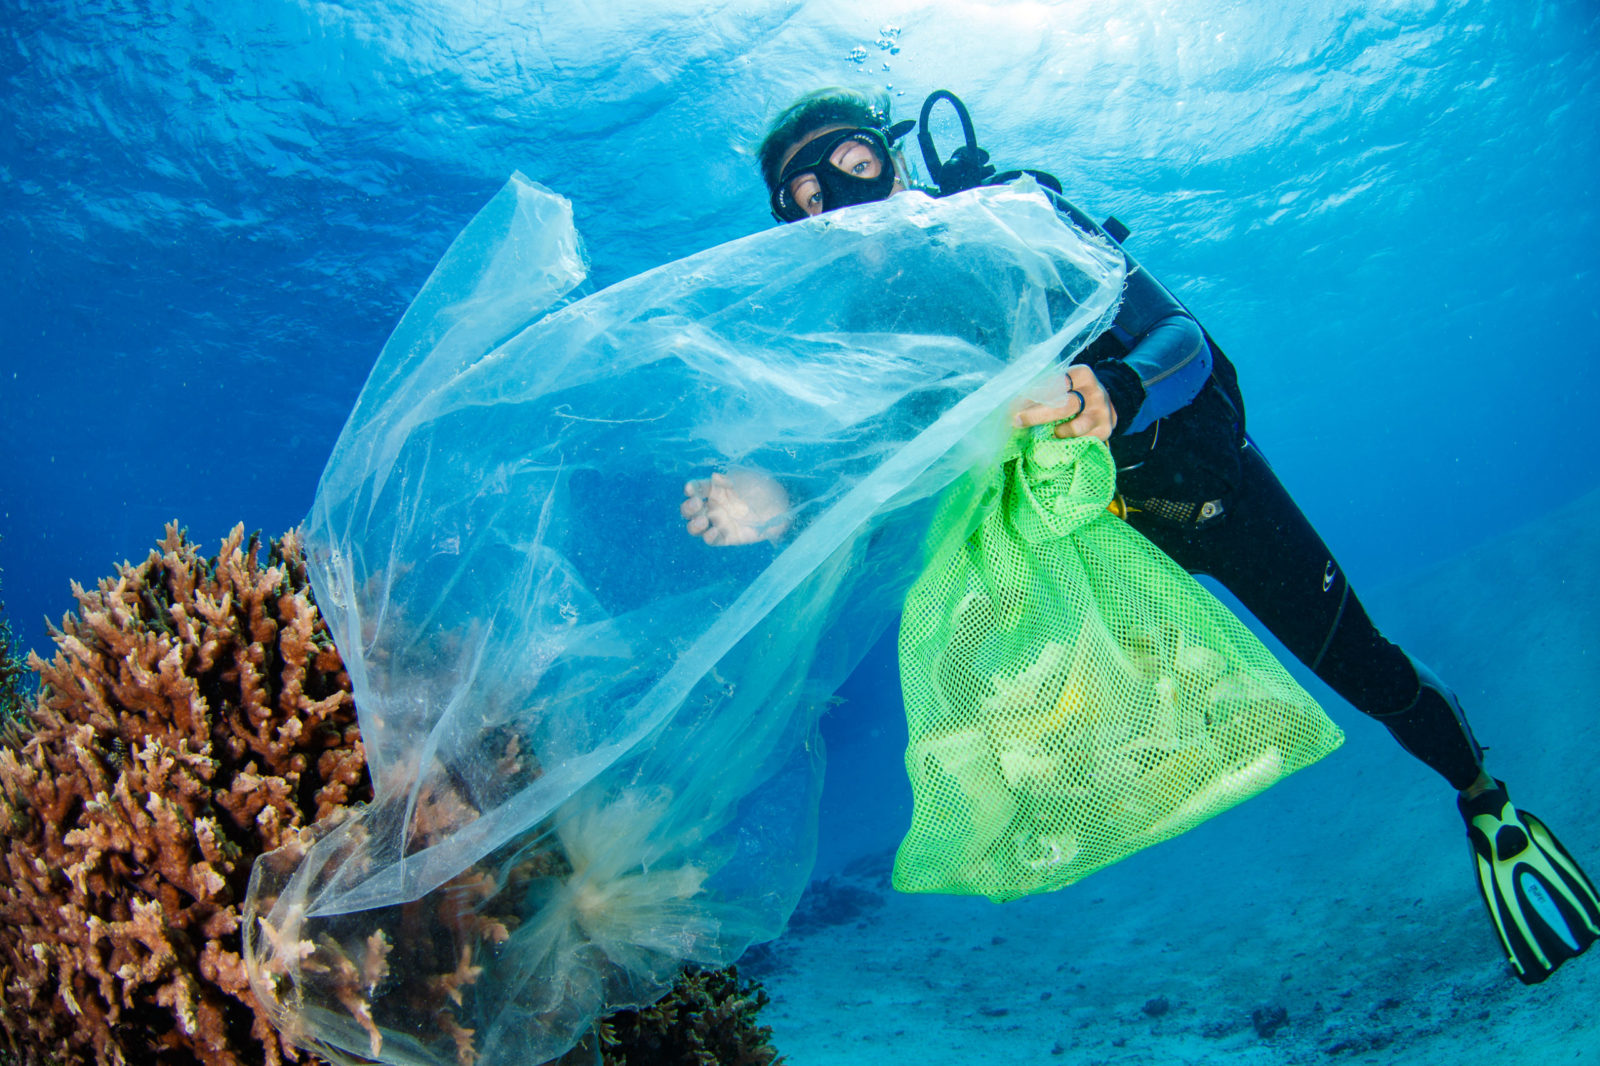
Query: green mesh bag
{"points": [[1073, 695]]}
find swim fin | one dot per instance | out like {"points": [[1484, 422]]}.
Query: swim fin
{"points": [[1542, 904]]}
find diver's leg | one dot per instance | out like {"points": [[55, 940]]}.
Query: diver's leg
{"points": [[1543, 907], [1265, 551]]}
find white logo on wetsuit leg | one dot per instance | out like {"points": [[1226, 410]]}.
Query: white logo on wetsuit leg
{"points": [[1327, 576]]}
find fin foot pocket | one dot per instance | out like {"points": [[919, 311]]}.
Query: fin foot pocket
{"points": [[1543, 906]]}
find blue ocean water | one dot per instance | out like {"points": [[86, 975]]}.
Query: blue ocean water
{"points": [[212, 215]]}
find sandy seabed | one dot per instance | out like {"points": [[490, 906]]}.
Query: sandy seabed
{"points": [[1333, 919]]}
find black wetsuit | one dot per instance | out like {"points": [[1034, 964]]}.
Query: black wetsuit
{"points": [[1202, 492]]}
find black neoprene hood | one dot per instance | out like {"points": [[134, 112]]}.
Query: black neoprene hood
{"points": [[814, 110]]}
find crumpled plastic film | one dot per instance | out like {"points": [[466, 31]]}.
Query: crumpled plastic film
{"points": [[593, 737]]}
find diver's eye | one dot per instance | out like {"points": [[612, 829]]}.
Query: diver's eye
{"points": [[807, 193], [856, 159]]}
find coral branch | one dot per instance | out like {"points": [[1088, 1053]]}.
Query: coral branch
{"points": [[194, 715]]}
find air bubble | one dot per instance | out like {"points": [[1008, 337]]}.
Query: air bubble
{"points": [[859, 53]]}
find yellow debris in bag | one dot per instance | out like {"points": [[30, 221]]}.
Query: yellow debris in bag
{"points": [[1072, 694]]}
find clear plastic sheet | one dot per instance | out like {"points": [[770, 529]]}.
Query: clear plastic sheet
{"points": [[592, 736]]}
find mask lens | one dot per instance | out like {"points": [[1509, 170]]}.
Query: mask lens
{"points": [[851, 167]]}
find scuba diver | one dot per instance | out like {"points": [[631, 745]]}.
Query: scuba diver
{"points": [[1166, 400]]}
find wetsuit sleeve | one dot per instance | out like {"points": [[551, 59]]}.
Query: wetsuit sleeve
{"points": [[1173, 362], [1165, 359], [1155, 358]]}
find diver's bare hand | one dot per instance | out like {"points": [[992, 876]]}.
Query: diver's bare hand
{"points": [[1087, 411], [738, 507]]}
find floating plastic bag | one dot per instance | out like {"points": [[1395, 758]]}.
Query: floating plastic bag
{"points": [[592, 737], [1073, 695]]}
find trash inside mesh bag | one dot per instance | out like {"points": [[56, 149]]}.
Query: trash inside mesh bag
{"points": [[1073, 695], [593, 737]]}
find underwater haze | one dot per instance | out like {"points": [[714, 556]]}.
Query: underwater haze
{"points": [[212, 215]]}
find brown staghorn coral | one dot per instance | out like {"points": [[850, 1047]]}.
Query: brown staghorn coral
{"points": [[195, 715], [399, 968]]}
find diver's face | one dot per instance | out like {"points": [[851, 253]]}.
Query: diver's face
{"points": [[851, 157], [830, 167]]}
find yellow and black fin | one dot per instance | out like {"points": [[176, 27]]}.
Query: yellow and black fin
{"points": [[1544, 907]]}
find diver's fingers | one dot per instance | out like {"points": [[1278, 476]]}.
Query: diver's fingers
{"points": [[1089, 424], [1097, 418], [743, 507], [721, 493], [1084, 379], [1040, 415], [727, 507]]}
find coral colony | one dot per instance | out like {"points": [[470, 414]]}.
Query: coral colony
{"points": [[196, 715]]}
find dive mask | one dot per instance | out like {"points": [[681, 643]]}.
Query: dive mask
{"points": [[813, 178]]}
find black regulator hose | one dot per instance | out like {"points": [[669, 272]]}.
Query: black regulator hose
{"points": [[968, 166]]}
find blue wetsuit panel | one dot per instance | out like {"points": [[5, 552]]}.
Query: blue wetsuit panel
{"points": [[1165, 345], [1166, 348]]}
